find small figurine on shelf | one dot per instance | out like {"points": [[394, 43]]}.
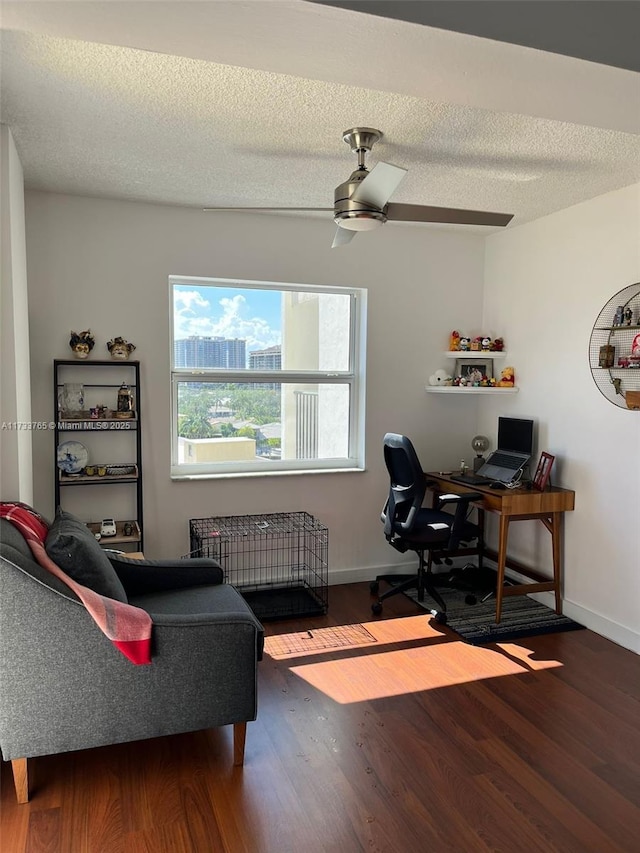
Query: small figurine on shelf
{"points": [[454, 341], [465, 344], [82, 343], [507, 378], [440, 377], [628, 315], [120, 349], [476, 344], [606, 355], [619, 316], [497, 345], [486, 344]]}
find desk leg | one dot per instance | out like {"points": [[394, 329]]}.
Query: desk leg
{"points": [[556, 539], [503, 535]]}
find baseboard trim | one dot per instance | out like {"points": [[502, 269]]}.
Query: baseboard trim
{"points": [[618, 634], [341, 576]]}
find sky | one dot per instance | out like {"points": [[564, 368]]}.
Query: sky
{"points": [[253, 315]]}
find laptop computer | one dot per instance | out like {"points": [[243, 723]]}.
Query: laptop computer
{"points": [[515, 445]]}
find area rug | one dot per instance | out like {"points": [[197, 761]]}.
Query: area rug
{"points": [[316, 639], [521, 616]]}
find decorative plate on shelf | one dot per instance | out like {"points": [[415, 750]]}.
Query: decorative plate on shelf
{"points": [[72, 457]]}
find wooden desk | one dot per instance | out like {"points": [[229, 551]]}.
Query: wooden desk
{"points": [[518, 505]]}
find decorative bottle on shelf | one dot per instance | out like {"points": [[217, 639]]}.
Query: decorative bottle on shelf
{"points": [[125, 402]]}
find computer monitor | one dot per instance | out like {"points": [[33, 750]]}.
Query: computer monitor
{"points": [[515, 434]]}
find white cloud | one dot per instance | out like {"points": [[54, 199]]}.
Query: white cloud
{"points": [[184, 299], [193, 315]]}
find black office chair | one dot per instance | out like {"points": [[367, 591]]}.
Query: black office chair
{"points": [[410, 527]]}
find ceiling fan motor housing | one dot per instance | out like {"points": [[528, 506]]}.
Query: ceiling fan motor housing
{"points": [[355, 215]]}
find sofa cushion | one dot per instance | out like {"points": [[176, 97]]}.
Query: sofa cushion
{"points": [[73, 547]]}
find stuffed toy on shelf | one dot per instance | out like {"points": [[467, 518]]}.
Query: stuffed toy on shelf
{"points": [[507, 378]]}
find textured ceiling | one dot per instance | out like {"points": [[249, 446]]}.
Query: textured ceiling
{"points": [[205, 109]]}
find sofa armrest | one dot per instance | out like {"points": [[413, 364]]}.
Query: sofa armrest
{"points": [[141, 576], [65, 687]]}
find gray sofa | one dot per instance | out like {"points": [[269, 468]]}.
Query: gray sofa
{"points": [[64, 686]]}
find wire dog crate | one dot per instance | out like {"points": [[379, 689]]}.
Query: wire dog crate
{"points": [[277, 561]]}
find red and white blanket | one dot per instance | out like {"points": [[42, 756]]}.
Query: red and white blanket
{"points": [[128, 627]]}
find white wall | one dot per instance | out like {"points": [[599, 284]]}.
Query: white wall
{"points": [[16, 482], [545, 284], [104, 264]]}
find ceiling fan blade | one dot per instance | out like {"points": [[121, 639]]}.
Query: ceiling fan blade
{"points": [[379, 185], [424, 213], [342, 237], [314, 209]]}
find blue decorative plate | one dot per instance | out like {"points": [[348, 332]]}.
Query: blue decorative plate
{"points": [[72, 457]]}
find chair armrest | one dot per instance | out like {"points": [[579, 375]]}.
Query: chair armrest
{"points": [[140, 576], [451, 498], [461, 503]]}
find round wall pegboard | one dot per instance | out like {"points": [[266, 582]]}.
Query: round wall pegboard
{"points": [[614, 349]]}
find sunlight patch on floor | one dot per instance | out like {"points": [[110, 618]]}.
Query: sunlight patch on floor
{"points": [[317, 640], [517, 650], [373, 673], [297, 644]]}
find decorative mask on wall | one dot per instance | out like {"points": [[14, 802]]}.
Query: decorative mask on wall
{"points": [[82, 343], [120, 349]]}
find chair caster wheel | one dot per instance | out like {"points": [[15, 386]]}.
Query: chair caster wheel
{"points": [[376, 608], [374, 586], [470, 599], [441, 617]]}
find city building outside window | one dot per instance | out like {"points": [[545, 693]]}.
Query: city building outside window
{"points": [[266, 377]]}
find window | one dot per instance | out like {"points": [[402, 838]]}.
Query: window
{"points": [[266, 377]]}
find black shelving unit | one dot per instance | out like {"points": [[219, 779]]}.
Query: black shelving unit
{"points": [[104, 375]]}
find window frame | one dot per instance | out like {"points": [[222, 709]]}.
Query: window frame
{"points": [[354, 378]]}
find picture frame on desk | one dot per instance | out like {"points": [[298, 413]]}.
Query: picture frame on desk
{"points": [[469, 368], [543, 471]]}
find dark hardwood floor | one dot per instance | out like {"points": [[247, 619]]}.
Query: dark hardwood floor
{"points": [[412, 742]]}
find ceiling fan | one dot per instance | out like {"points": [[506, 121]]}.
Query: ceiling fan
{"points": [[362, 201]]}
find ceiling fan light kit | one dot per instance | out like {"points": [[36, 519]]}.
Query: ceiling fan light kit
{"points": [[361, 203], [363, 221]]}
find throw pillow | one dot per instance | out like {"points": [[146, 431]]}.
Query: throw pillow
{"points": [[73, 547]]}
